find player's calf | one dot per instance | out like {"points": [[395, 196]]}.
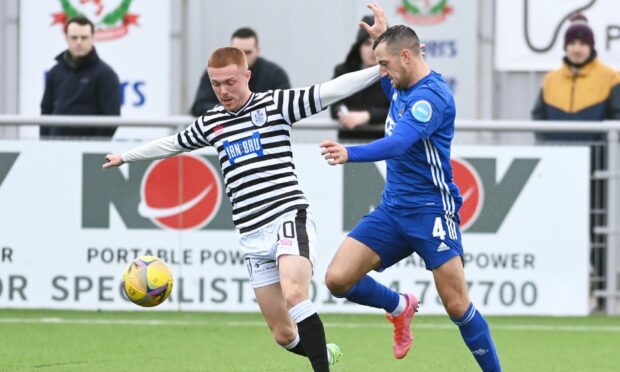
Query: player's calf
{"points": [[311, 334], [477, 336]]}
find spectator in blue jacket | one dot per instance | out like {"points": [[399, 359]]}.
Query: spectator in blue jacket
{"points": [[80, 84]]}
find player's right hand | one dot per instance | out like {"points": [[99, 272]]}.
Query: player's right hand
{"points": [[334, 152], [113, 160]]}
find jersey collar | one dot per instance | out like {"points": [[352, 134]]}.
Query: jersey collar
{"points": [[240, 110]]}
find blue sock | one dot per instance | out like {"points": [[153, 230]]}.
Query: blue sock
{"points": [[369, 292], [477, 337]]}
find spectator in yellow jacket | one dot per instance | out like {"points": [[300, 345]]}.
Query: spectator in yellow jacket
{"points": [[582, 89]]}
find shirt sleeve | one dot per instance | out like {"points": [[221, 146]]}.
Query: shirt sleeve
{"points": [[192, 137], [296, 104], [334, 107], [403, 137], [157, 149], [423, 115], [348, 84], [419, 121], [386, 84]]}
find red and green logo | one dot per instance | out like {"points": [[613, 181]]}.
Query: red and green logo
{"points": [[111, 17], [425, 12]]}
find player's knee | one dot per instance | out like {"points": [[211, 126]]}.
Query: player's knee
{"points": [[294, 295], [456, 306], [336, 282], [283, 335]]}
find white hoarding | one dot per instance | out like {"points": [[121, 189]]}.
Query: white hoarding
{"points": [[529, 34], [68, 228], [136, 45], [450, 31]]}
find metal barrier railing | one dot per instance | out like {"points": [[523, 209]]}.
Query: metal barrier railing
{"points": [[310, 123], [605, 175]]}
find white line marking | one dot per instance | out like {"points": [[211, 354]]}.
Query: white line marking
{"points": [[418, 325]]}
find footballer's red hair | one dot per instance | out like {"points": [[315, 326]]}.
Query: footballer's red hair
{"points": [[223, 57]]}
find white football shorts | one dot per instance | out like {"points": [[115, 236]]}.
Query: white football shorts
{"points": [[292, 233]]}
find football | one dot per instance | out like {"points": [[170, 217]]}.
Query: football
{"points": [[147, 281]]}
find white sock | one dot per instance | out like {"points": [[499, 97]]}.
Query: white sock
{"points": [[293, 343], [402, 304], [329, 357], [302, 311]]}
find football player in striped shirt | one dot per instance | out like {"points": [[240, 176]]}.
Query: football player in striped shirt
{"points": [[419, 205], [250, 132]]}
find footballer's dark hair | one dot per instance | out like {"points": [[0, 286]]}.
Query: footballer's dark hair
{"points": [[399, 37], [245, 33], [82, 21]]}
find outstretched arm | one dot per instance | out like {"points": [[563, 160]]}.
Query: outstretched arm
{"points": [[402, 138], [346, 85], [160, 148]]}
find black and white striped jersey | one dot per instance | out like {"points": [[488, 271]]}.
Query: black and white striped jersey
{"points": [[254, 150]]}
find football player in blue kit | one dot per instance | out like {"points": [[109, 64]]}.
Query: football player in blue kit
{"points": [[419, 205]]}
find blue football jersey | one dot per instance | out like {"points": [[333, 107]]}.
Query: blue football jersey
{"points": [[422, 176]]}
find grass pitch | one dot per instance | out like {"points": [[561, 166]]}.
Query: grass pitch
{"points": [[47, 340]]}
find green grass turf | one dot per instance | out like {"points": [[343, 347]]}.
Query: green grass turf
{"points": [[47, 340]]}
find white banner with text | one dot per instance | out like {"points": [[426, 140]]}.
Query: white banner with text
{"points": [[529, 35], [132, 37], [68, 229]]}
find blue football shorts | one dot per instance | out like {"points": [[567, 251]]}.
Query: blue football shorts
{"points": [[396, 234]]}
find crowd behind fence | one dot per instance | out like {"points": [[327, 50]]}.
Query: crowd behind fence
{"points": [[604, 183]]}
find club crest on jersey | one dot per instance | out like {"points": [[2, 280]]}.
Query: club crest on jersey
{"points": [[422, 111], [389, 125], [243, 148], [259, 117]]}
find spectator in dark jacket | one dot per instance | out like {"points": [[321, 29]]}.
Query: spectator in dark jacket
{"points": [[265, 76], [362, 116], [582, 89], [80, 84]]}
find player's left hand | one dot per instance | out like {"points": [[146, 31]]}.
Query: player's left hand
{"points": [[334, 153]]}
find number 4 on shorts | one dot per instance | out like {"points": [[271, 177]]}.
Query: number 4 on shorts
{"points": [[438, 230]]}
